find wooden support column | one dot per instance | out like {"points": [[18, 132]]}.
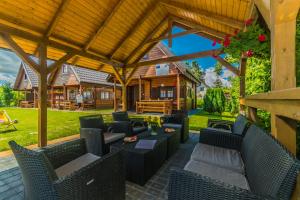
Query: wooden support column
{"points": [[34, 98], [42, 109], [140, 88], [52, 97], [195, 106], [243, 64], [124, 97], [115, 96], [283, 32], [178, 91], [252, 114]]}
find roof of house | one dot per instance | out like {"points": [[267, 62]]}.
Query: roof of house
{"points": [[83, 75], [150, 70]]}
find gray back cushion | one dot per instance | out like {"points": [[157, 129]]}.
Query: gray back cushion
{"points": [[267, 164], [240, 125]]}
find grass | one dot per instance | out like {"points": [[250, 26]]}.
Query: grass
{"points": [[66, 123], [199, 120], [60, 124]]}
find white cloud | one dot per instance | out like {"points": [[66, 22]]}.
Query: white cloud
{"points": [[211, 77], [4, 77]]}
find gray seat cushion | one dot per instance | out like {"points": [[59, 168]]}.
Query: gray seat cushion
{"points": [[218, 173], [170, 125], [76, 164], [112, 137], [240, 125], [222, 157]]}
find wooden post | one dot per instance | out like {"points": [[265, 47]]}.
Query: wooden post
{"points": [[283, 33], [124, 97], [243, 64], [65, 93], [42, 109], [252, 114], [115, 96], [34, 98], [52, 97], [140, 88], [178, 91], [195, 106]]}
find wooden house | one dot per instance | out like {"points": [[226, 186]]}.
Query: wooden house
{"points": [[163, 87], [63, 86]]}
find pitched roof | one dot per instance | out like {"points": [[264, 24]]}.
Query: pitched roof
{"points": [[82, 74]]}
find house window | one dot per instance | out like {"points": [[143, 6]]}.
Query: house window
{"points": [[72, 94], [25, 77], [87, 95], [65, 69], [167, 92], [104, 95]]}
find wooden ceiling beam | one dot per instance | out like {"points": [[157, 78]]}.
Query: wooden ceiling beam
{"points": [[227, 65], [264, 9], [149, 36], [19, 51], [176, 58], [191, 31], [4, 29], [135, 28], [206, 14], [118, 76], [202, 28], [103, 25], [170, 28]]}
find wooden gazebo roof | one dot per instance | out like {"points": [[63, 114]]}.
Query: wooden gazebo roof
{"points": [[106, 33]]}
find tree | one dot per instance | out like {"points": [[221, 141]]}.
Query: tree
{"points": [[7, 94], [196, 69], [218, 70], [214, 100]]}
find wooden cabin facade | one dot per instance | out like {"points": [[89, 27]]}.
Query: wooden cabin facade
{"points": [[64, 85], [162, 88]]}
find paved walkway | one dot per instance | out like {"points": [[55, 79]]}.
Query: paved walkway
{"points": [[11, 186]]}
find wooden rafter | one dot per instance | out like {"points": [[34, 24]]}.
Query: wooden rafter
{"points": [[227, 65], [264, 10], [135, 28], [176, 58], [60, 62], [205, 14], [103, 25], [191, 31], [118, 76], [204, 29], [4, 29], [170, 27], [100, 67], [149, 36], [19, 51]]}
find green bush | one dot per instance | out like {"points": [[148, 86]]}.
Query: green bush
{"points": [[200, 103], [214, 100]]}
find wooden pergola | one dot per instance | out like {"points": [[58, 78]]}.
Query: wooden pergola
{"points": [[113, 35]]}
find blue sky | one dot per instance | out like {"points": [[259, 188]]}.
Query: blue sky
{"points": [[9, 62]]}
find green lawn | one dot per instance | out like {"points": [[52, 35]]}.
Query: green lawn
{"points": [[199, 120], [60, 124], [66, 123]]}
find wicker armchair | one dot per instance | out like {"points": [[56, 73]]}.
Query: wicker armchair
{"points": [[269, 170], [131, 126], [178, 120], [98, 135], [67, 171], [239, 127]]}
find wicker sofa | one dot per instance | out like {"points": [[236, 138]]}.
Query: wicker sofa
{"points": [[256, 167], [68, 172]]}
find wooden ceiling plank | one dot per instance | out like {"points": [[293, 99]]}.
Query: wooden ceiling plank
{"points": [[19, 51], [103, 25], [227, 65], [176, 58], [135, 28], [206, 14], [149, 36], [205, 29]]}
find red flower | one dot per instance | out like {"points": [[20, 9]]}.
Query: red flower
{"points": [[262, 38], [214, 56], [226, 42], [249, 53], [248, 22], [214, 43]]}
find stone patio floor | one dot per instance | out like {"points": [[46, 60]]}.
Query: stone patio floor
{"points": [[11, 186]]}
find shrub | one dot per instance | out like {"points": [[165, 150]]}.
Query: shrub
{"points": [[214, 100]]}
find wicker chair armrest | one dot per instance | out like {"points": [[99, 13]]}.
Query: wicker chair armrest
{"points": [[94, 140], [121, 127], [217, 123], [61, 154], [221, 138], [102, 179], [185, 185], [138, 122]]}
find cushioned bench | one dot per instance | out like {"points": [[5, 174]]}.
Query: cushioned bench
{"points": [[257, 167]]}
